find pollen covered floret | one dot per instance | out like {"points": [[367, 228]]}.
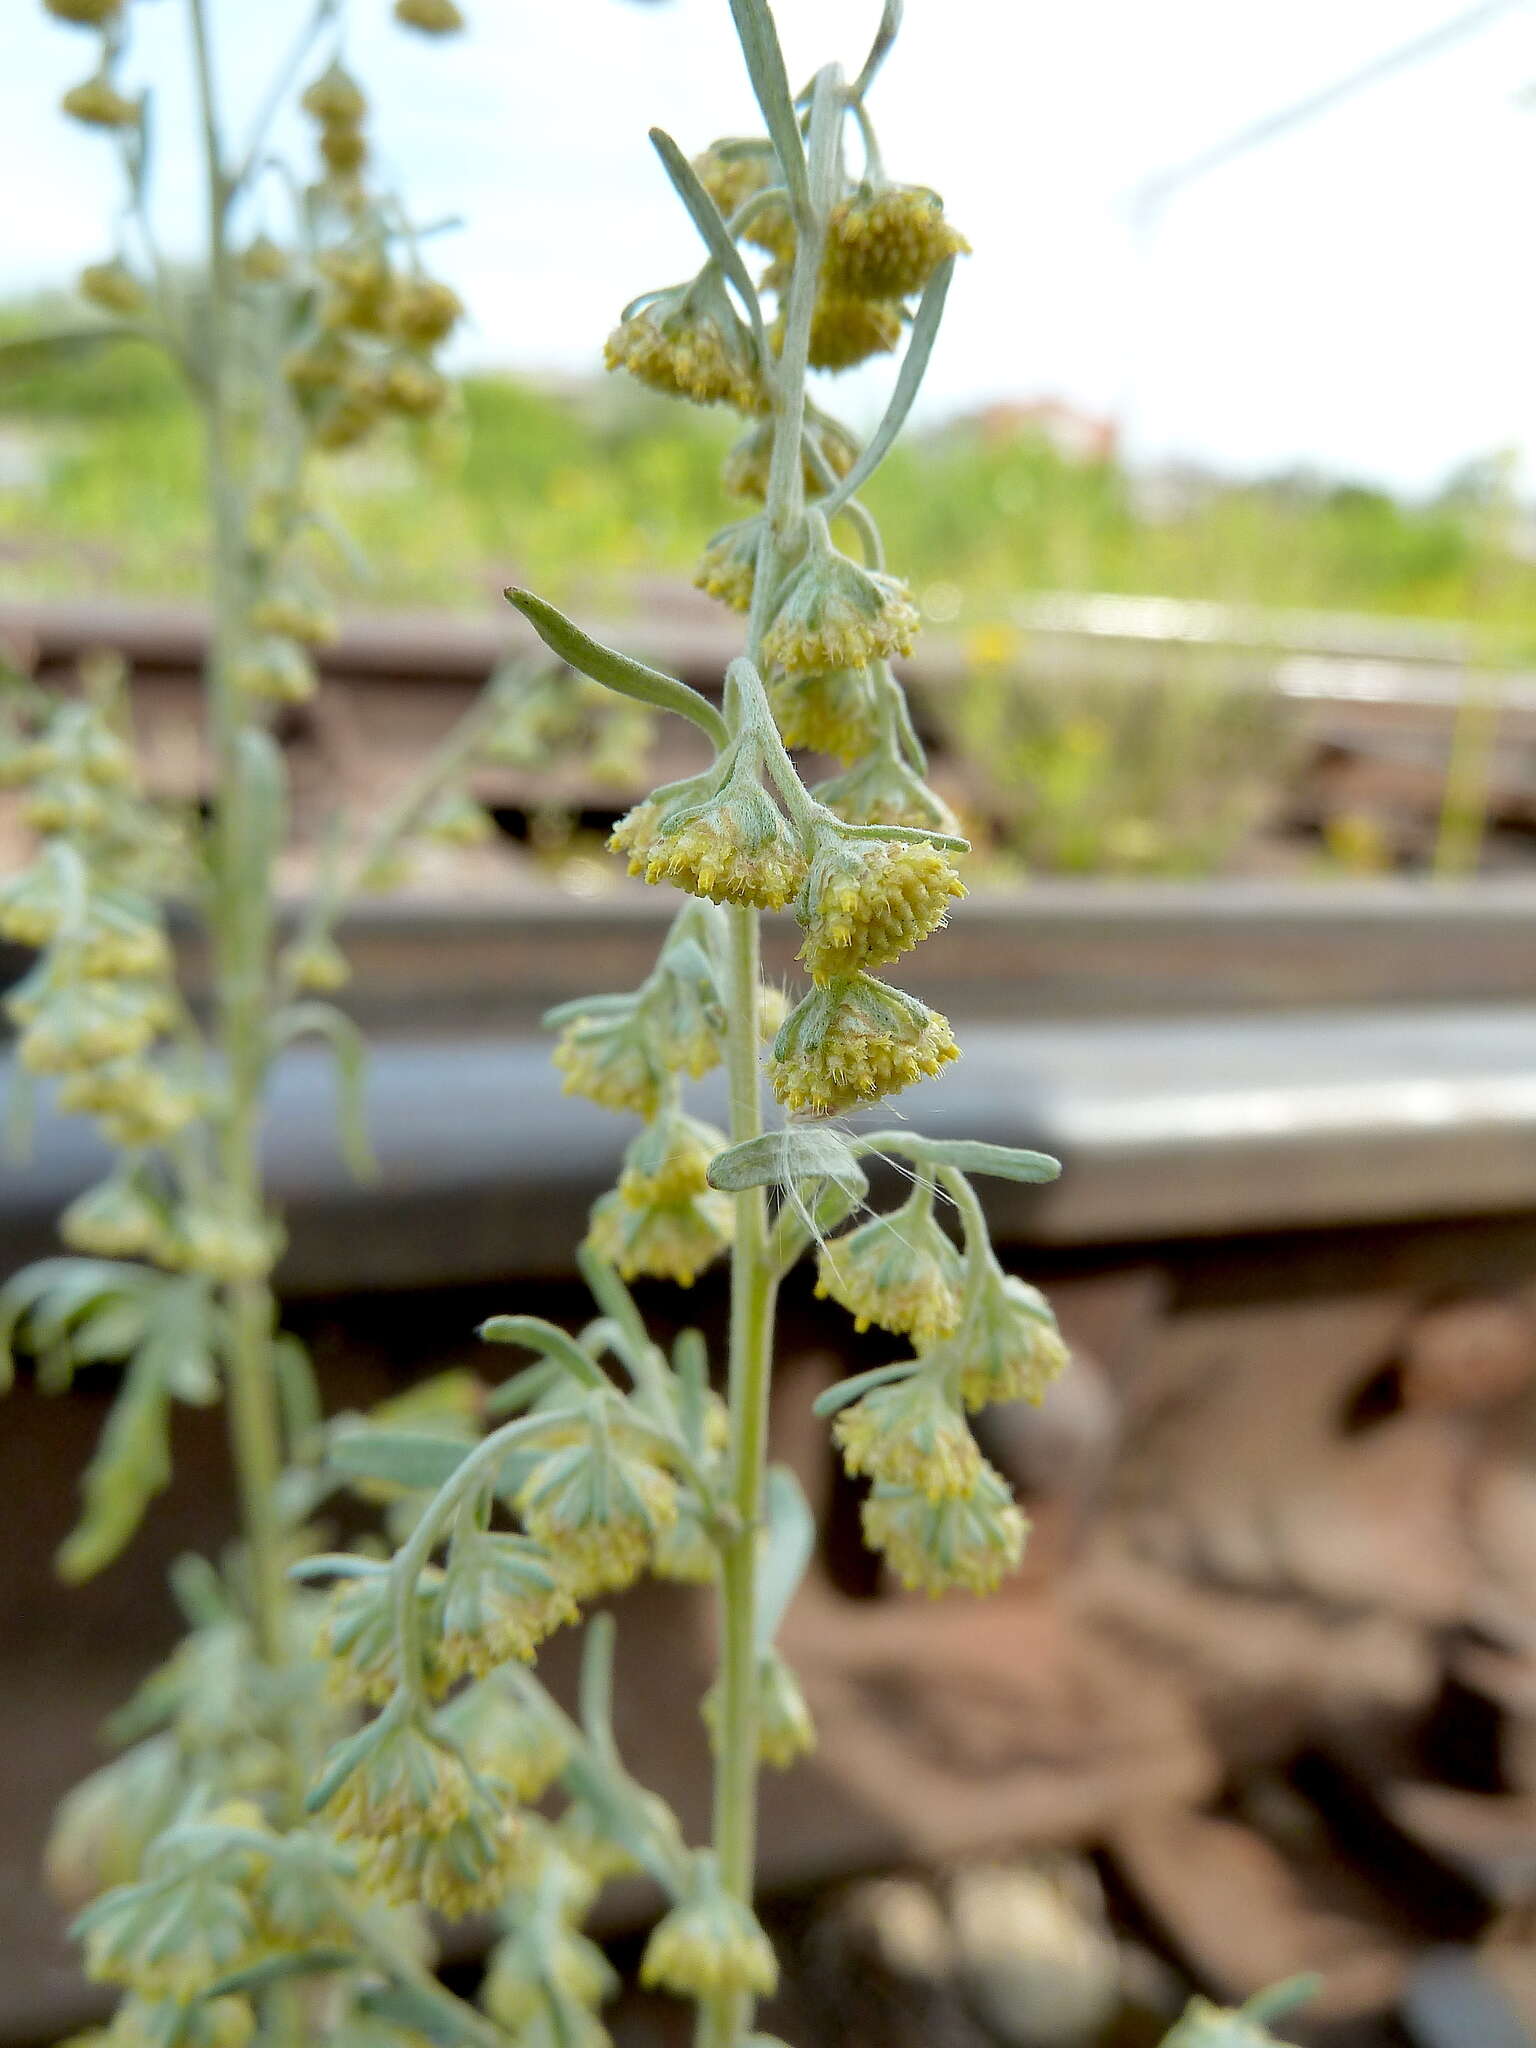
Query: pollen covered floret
{"points": [[911, 1433], [672, 1240], [832, 710], [886, 244], [423, 311], [1009, 1345], [833, 614], [735, 847], [501, 1597], [597, 1509], [728, 567], [603, 1055], [846, 329], [852, 1041], [423, 1827], [868, 901], [733, 171], [690, 343], [709, 1943], [900, 1271], [968, 1542], [669, 1160]]}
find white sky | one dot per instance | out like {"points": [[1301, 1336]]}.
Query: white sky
{"points": [[1359, 295]]}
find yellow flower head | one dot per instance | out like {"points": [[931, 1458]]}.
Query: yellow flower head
{"points": [[140, 1104], [113, 287], [728, 568], [335, 96], [832, 711], [669, 1161], [833, 614], [1009, 1346], [414, 388], [850, 1042], [911, 1433], [99, 104], [845, 329], [733, 171], [33, 903], [85, 13], [745, 474], [735, 846], [117, 1219], [710, 1943], [868, 901], [597, 1508], [785, 1730], [662, 1240], [604, 1053], [122, 938], [274, 669], [900, 1271], [963, 1541], [207, 1239], [263, 262], [296, 610], [886, 244], [344, 147], [546, 1957], [501, 1597], [430, 17], [690, 342], [423, 312], [685, 1550], [882, 790], [464, 1867], [318, 967], [105, 1823], [86, 1023]]}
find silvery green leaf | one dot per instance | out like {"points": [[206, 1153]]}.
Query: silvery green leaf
{"points": [[350, 1051], [131, 1465], [707, 219], [846, 1391], [271, 1969], [781, 1158], [914, 366], [967, 1155], [786, 1552], [616, 671], [402, 1457], [770, 82]]}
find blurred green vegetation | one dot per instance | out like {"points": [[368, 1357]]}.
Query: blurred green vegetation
{"points": [[601, 484]]}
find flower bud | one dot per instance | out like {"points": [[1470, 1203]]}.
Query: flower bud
{"points": [[86, 1023], [887, 243], [507, 1736], [785, 1730], [669, 1160], [732, 171], [85, 13], [850, 1042], [833, 614], [64, 803], [356, 1636], [900, 1271], [294, 609], [728, 568], [501, 1597], [662, 1240], [343, 146], [1009, 1347], [833, 711], [745, 474], [423, 312], [969, 1541], [32, 904], [543, 1960], [274, 670], [210, 1240], [913, 1433], [597, 1509], [414, 388], [335, 96], [119, 1218], [865, 902], [139, 1104], [606, 1055], [318, 966], [113, 287], [457, 820], [263, 262], [882, 790], [98, 104], [690, 342], [172, 1936], [709, 1944], [685, 1551], [123, 939], [429, 17]]}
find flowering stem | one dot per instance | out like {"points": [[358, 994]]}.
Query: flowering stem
{"points": [[237, 934]]}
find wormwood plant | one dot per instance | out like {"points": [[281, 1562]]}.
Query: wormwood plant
{"points": [[261, 1853]]}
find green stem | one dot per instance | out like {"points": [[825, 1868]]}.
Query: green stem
{"points": [[723, 2019], [238, 936]]}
